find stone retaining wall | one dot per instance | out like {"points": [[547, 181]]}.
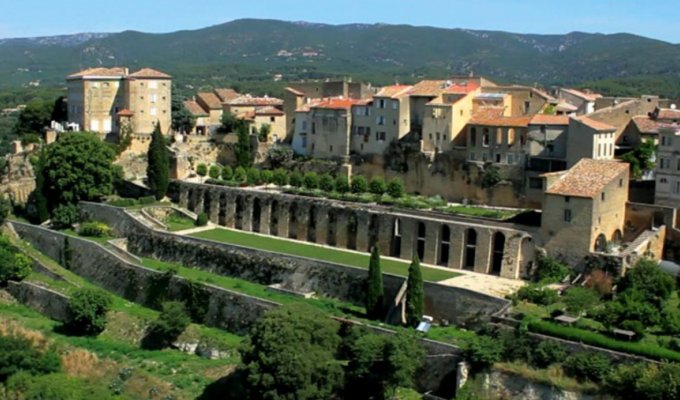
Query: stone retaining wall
{"points": [[43, 300]]}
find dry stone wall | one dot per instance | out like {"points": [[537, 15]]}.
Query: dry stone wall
{"points": [[43, 300]]}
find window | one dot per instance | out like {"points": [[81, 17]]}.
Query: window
{"points": [[313, 128], [153, 85], [95, 84], [380, 120], [567, 199], [527, 106], [395, 104], [678, 166], [676, 190], [472, 156], [665, 163], [543, 128], [485, 157], [330, 149], [473, 136], [94, 125], [485, 138], [272, 119], [312, 146], [153, 98], [511, 158], [602, 196], [360, 130], [304, 142], [304, 126], [498, 157], [381, 103], [535, 183], [567, 216], [153, 111], [381, 136], [438, 135]]}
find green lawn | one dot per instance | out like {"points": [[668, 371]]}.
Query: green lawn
{"points": [[316, 252], [472, 211], [178, 222]]}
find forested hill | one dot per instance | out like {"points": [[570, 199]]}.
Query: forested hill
{"points": [[254, 50]]}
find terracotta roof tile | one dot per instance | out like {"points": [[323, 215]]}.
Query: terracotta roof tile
{"points": [[394, 91], [647, 125], [248, 100], [210, 99], [226, 95], [493, 116], [428, 88], [587, 178], [268, 111], [565, 107], [588, 96], [195, 109], [150, 73], [544, 119], [294, 91], [125, 113], [462, 87], [596, 125], [668, 113], [338, 103]]}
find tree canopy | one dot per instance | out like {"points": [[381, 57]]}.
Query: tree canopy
{"points": [[374, 286], [182, 120], [158, 166]]}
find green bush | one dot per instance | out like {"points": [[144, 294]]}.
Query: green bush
{"points": [[342, 184], [122, 202], [227, 173], [395, 188], [14, 266], [266, 176], [550, 270], [169, 325], [253, 176], [644, 381], [670, 321], [491, 177], [326, 183], [201, 170], [548, 352], [597, 339], [240, 174], [359, 184], [537, 294], [87, 311], [580, 299], [214, 172], [280, 177], [64, 216], [377, 186], [202, 219], [18, 354], [310, 180], [483, 351], [94, 229], [146, 200], [587, 366], [295, 179]]}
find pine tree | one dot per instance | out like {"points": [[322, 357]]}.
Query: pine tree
{"points": [[374, 287], [41, 205], [415, 295], [158, 168]]}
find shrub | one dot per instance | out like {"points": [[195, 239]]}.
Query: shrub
{"points": [[670, 321], [146, 200], [202, 219], [644, 381], [491, 176], [600, 282], [266, 176], [279, 155], [629, 305], [214, 172], [342, 184], [201, 170], [240, 174], [280, 177], [295, 179], [64, 216], [18, 354], [311, 180], [169, 325], [94, 229], [648, 279], [253, 176], [548, 352], [580, 300], [326, 183], [587, 366], [635, 326], [359, 184], [87, 311], [377, 186], [395, 188], [227, 173], [537, 294], [550, 270], [483, 351], [14, 266]]}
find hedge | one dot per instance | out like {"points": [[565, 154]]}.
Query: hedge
{"points": [[600, 340]]}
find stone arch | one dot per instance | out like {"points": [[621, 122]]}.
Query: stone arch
{"points": [[617, 236], [527, 254], [498, 251], [444, 245], [331, 238], [352, 225], [207, 198], [240, 211], [257, 214], [292, 221], [373, 231], [191, 199], [274, 218], [395, 244], [311, 224], [222, 215], [601, 243], [470, 246], [420, 240]]}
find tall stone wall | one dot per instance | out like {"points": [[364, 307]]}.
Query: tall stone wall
{"points": [[296, 273], [229, 310], [43, 300]]}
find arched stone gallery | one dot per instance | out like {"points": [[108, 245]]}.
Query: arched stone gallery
{"points": [[450, 241]]}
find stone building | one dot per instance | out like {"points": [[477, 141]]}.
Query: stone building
{"points": [[384, 120], [582, 101], [98, 97], [584, 208], [521, 100], [667, 190], [646, 127], [497, 138], [589, 138], [446, 116]]}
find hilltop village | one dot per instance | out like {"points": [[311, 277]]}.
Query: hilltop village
{"points": [[539, 219]]}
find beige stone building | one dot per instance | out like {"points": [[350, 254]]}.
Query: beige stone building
{"points": [[494, 137], [667, 190], [328, 127], [584, 208], [447, 115], [583, 102], [521, 100], [386, 119], [589, 138], [99, 97]]}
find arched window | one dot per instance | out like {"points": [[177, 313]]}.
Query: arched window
{"points": [[420, 241], [470, 249], [257, 214], [274, 218], [444, 245], [395, 245], [498, 250]]}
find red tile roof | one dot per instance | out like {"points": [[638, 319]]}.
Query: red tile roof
{"points": [[125, 113], [596, 125], [210, 100], [544, 119], [268, 111], [587, 178], [393, 91], [248, 100], [195, 109], [150, 73], [566, 107], [462, 87], [588, 96], [493, 116], [338, 103], [428, 88], [668, 113], [226, 95]]}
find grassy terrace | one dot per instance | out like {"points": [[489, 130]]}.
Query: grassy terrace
{"points": [[178, 222], [317, 252]]}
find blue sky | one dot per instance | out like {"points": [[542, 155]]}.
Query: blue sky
{"points": [[656, 19]]}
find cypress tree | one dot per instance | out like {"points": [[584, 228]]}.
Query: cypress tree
{"points": [[158, 168], [374, 287], [415, 295], [40, 200], [243, 152]]}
